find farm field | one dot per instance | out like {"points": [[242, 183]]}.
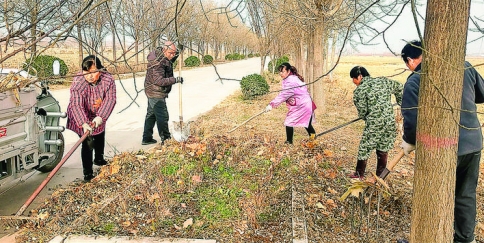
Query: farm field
{"points": [[240, 186]]}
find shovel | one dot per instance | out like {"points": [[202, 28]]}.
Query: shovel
{"points": [[391, 165], [181, 131]]}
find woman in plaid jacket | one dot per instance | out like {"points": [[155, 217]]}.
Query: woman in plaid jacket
{"points": [[93, 97]]}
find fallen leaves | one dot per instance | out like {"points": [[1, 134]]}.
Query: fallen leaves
{"points": [[196, 179], [356, 189], [328, 153], [187, 223], [332, 191]]}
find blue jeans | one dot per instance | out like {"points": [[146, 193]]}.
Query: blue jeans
{"points": [[157, 112]]}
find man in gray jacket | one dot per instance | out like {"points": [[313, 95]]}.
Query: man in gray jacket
{"points": [[470, 137], [158, 82]]}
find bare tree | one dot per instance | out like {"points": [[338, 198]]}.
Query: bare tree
{"points": [[438, 119]]}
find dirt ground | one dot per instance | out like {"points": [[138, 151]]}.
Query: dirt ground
{"points": [[238, 186]]}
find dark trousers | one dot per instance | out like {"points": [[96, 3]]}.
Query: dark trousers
{"points": [[96, 143], [290, 131], [157, 113], [467, 174]]}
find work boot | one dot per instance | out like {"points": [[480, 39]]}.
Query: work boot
{"points": [[360, 169], [150, 141], [88, 177], [382, 158], [88, 174], [100, 162]]}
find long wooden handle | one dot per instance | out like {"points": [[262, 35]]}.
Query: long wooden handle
{"points": [[254, 116], [395, 160], [180, 86], [391, 165]]}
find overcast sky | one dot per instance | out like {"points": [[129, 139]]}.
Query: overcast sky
{"points": [[404, 30]]}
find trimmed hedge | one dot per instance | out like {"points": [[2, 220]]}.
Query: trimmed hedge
{"points": [[234, 56], [43, 65], [192, 61], [253, 85], [207, 59]]}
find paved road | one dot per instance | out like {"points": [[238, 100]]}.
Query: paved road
{"points": [[200, 93]]}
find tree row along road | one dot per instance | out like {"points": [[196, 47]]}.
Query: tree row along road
{"points": [[201, 91]]}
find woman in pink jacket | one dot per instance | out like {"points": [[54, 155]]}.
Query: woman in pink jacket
{"points": [[298, 101]]}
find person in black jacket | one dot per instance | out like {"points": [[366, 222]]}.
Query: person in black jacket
{"points": [[470, 137], [158, 82]]}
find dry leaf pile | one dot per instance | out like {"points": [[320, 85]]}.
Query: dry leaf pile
{"points": [[238, 186]]}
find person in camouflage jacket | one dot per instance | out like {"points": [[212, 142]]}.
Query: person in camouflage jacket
{"points": [[372, 98]]}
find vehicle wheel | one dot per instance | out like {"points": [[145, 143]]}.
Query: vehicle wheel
{"points": [[50, 166]]}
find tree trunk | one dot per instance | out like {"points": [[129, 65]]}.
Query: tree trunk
{"points": [[136, 50], [310, 57], [331, 58], [79, 39], [262, 64], [319, 60], [437, 132], [299, 59], [33, 30], [114, 43]]}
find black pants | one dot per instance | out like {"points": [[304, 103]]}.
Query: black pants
{"points": [[157, 112], [87, 151], [467, 174], [290, 131]]}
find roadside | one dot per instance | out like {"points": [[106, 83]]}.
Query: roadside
{"points": [[248, 171], [201, 91]]}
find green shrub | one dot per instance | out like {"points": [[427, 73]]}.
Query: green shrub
{"points": [[192, 61], [278, 62], [253, 85], [207, 59], [229, 57], [250, 55], [234, 56], [41, 67], [238, 56]]}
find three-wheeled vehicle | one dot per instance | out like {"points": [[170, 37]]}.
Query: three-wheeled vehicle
{"points": [[30, 135]]}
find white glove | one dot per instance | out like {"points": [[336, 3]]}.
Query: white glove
{"points": [[268, 108], [407, 148], [86, 128], [97, 121]]}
